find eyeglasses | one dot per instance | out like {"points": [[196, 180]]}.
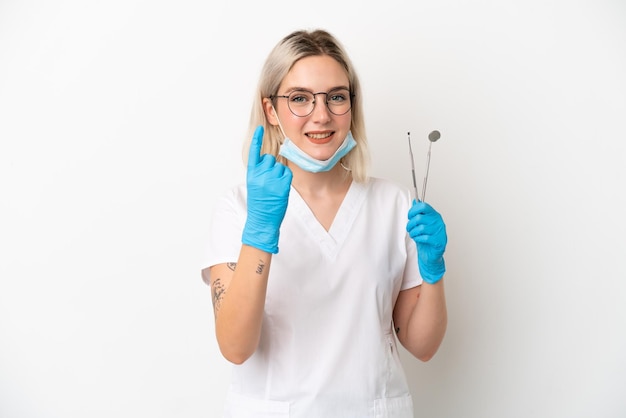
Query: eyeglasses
{"points": [[302, 102]]}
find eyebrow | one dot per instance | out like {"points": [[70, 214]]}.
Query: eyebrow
{"points": [[292, 89]]}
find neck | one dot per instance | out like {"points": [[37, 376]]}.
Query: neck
{"points": [[336, 179]]}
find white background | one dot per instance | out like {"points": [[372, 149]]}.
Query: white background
{"points": [[121, 121]]}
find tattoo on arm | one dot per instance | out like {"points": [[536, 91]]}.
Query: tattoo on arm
{"points": [[218, 291], [260, 267], [217, 287], [397, 330]]}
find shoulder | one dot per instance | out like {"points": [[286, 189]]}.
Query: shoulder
{"points": [[388, 188], [387, 196], [233, 198], [237, 192]]}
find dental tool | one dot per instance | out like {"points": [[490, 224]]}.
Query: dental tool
{"points": [[432, 137], [412, 166]]}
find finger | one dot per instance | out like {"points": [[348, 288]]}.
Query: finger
{"points": [[431, 222], [418, 208], [266, 162], [415, 231], [283, 173], [254, 155], [288, 174], [278, 169], [421, 224]]}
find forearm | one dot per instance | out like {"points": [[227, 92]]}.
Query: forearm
{"points": [[239, 316], [426, 325]]}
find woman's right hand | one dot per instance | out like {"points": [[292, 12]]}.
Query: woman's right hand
{"points": [[268, 184]]}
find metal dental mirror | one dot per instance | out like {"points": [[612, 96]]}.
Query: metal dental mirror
{"points": [[432, 137]]}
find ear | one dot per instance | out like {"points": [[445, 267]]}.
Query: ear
{"points": [[270, 111]]}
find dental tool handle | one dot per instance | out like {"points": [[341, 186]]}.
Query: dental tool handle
{"points": [[415, 186], [427, 169], [412, 166]]}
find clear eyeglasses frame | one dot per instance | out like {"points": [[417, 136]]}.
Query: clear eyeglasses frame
{"points": [[302, 102]]}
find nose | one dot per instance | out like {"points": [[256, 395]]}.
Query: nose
{"points": [[320, 109]]}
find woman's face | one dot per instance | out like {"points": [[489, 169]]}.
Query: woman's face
{"points": [[320, 133]]}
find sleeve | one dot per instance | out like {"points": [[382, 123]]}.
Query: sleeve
{"points": [[411, 277], [226, 226]]}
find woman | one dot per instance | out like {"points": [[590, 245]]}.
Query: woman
{"points": [[310, 328]]}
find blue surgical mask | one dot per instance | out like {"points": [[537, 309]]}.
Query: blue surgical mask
{"points": [[290, 151]]}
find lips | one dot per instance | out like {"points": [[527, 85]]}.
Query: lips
{"points": [[320, 137]]}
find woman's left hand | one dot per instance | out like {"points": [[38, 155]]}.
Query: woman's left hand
{"points": [[427, 229]]}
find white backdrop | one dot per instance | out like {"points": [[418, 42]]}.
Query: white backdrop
{"points": [[121, 121]]}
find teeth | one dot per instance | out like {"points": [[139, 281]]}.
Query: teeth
{"points": [[319, 136]]}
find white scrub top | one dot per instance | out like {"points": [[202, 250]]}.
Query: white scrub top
{"points": [[327, 345]]}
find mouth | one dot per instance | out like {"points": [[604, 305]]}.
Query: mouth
{"points": [[320, 137]]}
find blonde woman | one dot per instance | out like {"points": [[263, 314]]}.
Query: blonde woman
{"points": [[316, 269]]}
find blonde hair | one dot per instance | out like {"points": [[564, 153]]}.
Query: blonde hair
{"points": [[293, 47]]}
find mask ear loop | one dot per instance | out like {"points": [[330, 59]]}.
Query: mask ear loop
{"points": [[280, 126], [345, 167]]}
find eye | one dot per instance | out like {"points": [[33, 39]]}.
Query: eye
{"points": [[300, 97], [338, 97]]}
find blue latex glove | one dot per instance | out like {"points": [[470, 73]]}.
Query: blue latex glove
{"points": [[427, 229], [268, 185]]}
